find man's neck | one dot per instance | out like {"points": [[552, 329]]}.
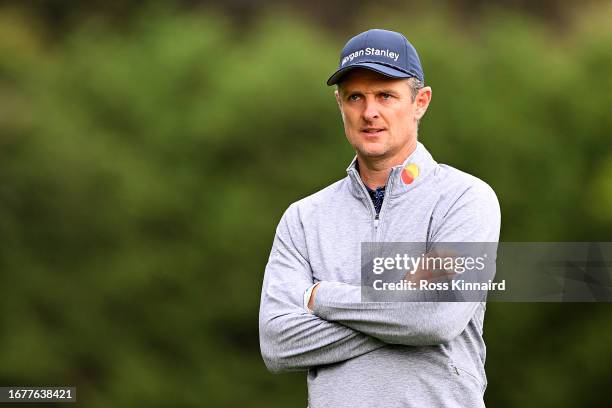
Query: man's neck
{"points": [[374, 171]]}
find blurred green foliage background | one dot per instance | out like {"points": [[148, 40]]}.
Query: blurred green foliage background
{"points": [[145, 163]]}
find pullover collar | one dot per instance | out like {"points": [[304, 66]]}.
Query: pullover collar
{"points": [[402, 178]]}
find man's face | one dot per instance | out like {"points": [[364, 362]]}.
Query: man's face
{"points": [[379, 115]]}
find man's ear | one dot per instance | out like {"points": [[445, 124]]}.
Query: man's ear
{"points": [[338, 99], [422, 101]]}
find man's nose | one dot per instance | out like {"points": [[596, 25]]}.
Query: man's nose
{"points": [[370, 111]]}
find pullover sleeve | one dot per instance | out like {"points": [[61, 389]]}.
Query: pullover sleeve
{"points": [[473, 217], [290, 337]]}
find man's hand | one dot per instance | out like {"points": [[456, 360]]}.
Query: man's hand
{"points": [[430, 274], [312, 296]]}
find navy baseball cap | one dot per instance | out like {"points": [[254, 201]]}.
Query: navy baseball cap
{"points": [[386, 52]]}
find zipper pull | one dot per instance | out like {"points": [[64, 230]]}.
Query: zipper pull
{"points": [[376, 220]]}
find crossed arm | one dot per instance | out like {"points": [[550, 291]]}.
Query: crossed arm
{"points": [[290, 337], [342, 327]]}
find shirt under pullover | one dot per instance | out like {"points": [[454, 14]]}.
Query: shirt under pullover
{"points": [[371, 354], [377, 196]]}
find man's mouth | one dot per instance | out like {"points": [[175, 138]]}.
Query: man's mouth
{"points": [[372, 130]]}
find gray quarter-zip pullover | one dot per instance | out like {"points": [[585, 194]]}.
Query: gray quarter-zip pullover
{"points": [[371, 354]]}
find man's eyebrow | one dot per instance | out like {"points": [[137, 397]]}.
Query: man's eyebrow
{"points": [[347, 92]]}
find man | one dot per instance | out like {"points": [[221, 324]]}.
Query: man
{"points": [[377, 354]]}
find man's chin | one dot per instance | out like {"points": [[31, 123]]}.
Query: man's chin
{"points": [[372, 153]]}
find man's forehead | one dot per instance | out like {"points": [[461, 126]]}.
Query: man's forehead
{"points": [[364, 78]]}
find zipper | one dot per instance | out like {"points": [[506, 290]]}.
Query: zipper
{"points": [[371, 204], [384, 204], [365, 193], [466, 374], [368, 201]]}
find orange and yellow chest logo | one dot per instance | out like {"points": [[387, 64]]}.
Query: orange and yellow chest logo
{"points": [[410, 173]]}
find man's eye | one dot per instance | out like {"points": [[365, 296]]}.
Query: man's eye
{"points": [[385, 96], [353, 97]]}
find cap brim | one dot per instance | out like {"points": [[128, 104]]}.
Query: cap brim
{"points": [[372, 66]]}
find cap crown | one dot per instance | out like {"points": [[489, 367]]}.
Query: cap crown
{"points": [[382, 47]]}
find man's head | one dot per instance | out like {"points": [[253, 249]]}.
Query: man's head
{"points": [[380, 114], [381, 94]]}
